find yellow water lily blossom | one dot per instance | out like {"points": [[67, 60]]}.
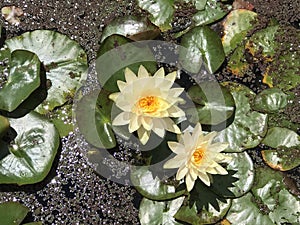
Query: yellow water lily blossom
{"points": [[197, 157], [147, 103]]}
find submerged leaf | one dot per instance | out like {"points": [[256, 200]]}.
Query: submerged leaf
{"points": [[12, 213]]}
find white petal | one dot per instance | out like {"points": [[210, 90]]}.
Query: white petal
{"points": [[122, 119], [171, 76], [171, 126], [147, 122], [142, 72], [221, 170], [175, 111], [182, 171], [160, 73], [176, 147], [209, 137], [129, 75], [143, 135], [211, 170], [134, 123], [218, 147], [175, 162], [189, 182], [175, 92], [158, 127], [194, 173], [197, 131], [121, 85], [188, 140], [205, 179], [114, 96]]}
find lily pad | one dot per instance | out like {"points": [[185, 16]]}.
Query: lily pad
{"points": [[62, 119], [132, 27], [269, 203], [23, 79], [29, 157], [278, 136], [237, 64], [214, 103], [212, 12], [152, 188], [161, 12], [202, 44], [243, 165], [4, 125], [115, 54], [282, 158], [204, 216], [93, 116], [155, 212], [249, 127], [65, 62], [12, 213], [270, 100], [236, 25], [199, 4]]}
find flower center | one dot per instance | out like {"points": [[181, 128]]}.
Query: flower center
{"points": [[198, 155], [149, 104]]}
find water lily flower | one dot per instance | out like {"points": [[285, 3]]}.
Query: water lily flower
{"points": [[197, 157], [148, 103]]}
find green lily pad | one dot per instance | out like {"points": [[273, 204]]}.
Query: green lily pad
{"points": [[65, 62], [12, 213], [204, 216], [152, 188], [199, 4], [202, 44], [34, 223], [161, 12], [270, 100], [236, 25], [243, 165], [214, 103], [155, 212], [115, 54], [23, 79], [29, 157], [278, 136], [269, 203], [211, 13], [62, 119], [132, 27], [248, 127], [4, 125], [93, 116]]}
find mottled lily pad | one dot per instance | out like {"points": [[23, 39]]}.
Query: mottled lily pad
{"points": [[270, 100], [161, 12], [132, 27], [202, 45], [65, 62], [158, 212], [270, 202], [62, 119], [204, 216], [214, 103], [248, 127], [23, 79], [211, 12], [236, 25], [152, 188], [29, 156], [12, 213], [286, 156], [237, 64]]}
